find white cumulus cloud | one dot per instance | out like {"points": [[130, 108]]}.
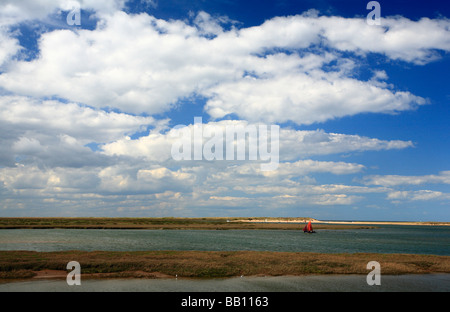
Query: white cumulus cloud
{"points": [[273, 72]]}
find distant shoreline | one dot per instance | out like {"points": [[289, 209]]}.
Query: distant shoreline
{"points": [[170, 223]]}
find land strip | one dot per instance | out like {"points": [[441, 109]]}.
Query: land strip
{"points": [[209, 264], [170, 223], [429, 223]]}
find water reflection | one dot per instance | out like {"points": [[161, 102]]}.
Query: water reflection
{"points": [[313, 283]]}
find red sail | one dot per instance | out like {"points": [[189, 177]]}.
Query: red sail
{"points": [[305, 229], [309, 227]]}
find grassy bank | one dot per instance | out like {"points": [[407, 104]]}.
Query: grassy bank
{"points": [[210, 264], [167, 223]]}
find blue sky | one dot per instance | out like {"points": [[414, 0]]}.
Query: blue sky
{"points": [[87, 111]]}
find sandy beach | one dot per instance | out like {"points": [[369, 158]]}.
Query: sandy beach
{"points": [[315, 221]]}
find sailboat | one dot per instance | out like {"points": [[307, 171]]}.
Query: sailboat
{"points": [[308, 228]]}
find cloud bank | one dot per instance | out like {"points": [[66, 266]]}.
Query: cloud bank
{"points": [[287, 69], [80, 121]]}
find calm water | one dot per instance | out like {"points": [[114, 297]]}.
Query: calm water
{"points": [[386, 239], [311, 283]]}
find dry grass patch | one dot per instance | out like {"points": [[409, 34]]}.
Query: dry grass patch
{"points": [[211, 264]]}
